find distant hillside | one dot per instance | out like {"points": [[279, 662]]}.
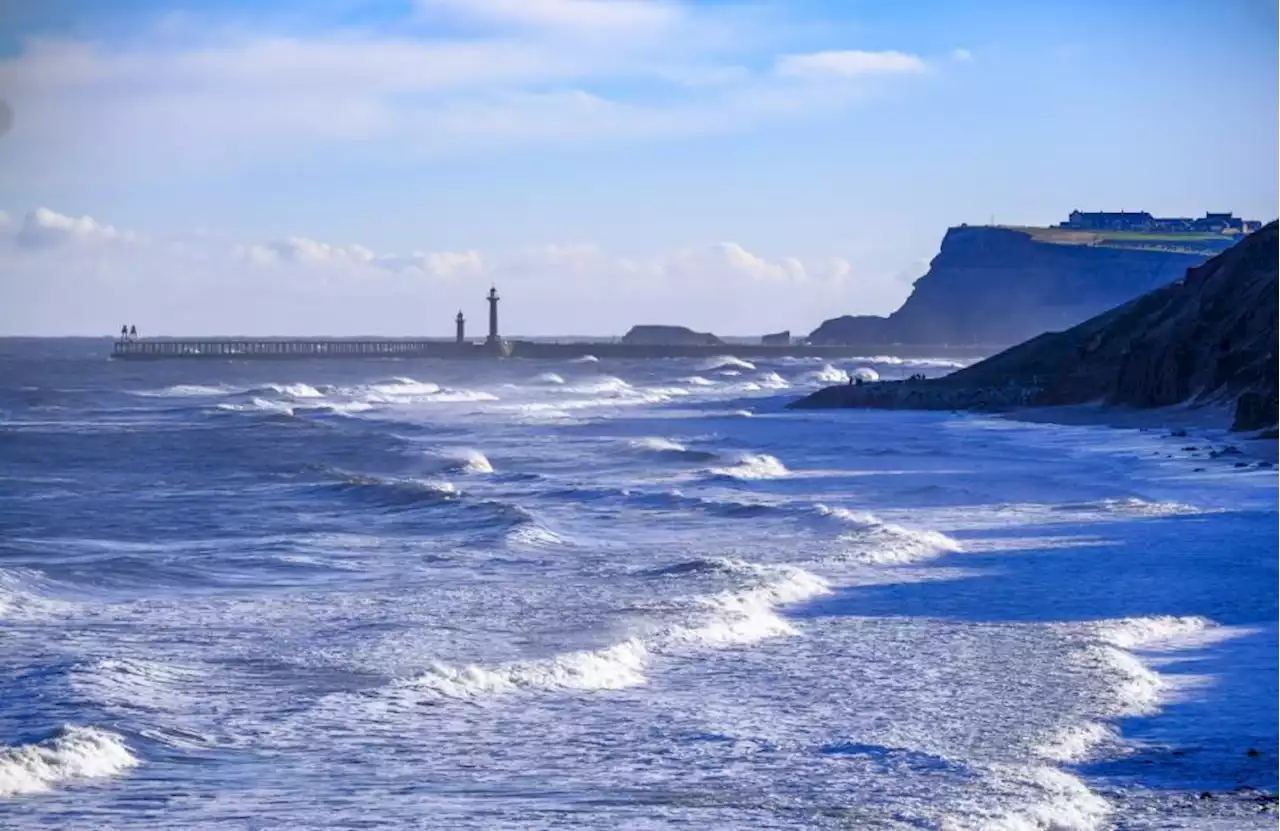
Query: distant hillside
{"points": [[1210, 337], [996, 286]]}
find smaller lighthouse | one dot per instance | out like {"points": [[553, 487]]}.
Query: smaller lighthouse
{"points": [[462, 328], [493, 315]]}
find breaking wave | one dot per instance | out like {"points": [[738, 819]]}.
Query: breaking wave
{"points": [[751, 614], [69, 754], [391, 492], [1136, 688], [885, 543], [585, 359], [256, 404], [401, 386], [1130, 506], [467, 461], [724, 362], [890, 360], [189, 391], [753, 466], [21, 597], [771, 381], [672, 449], [613, 668], [698, 381], [549, 378], [828, 375], [733, 617]]}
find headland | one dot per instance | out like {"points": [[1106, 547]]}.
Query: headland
{"points": [[1206, 341], [1003, 284]]}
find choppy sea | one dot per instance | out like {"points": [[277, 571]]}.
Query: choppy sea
{"points": [[613, 595]]}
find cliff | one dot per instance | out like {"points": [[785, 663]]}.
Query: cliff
{"points": [[999, 286], [668, 336], [1208, 338]]}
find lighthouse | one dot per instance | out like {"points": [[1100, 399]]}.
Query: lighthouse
{"points": [[462, 328], [493, 315]]}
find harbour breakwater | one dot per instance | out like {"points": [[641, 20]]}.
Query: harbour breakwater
{"points": [[142, 349]]}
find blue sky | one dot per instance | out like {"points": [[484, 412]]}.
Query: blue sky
{"points": [[768, 164]]}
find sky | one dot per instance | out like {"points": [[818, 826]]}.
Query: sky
{"points": [[738, 166]]}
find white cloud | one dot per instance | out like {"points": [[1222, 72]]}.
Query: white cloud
{"points": [[961, 55], [594, 15], [849, 63], [83, 276], [42, 228], [533, 72]]}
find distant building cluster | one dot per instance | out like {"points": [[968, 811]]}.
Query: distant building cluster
{"points": [[1143, 222]]}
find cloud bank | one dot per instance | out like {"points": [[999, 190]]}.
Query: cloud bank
{"points": [[66, 275], [453, 76]]}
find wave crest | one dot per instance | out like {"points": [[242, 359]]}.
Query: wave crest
{"points": [[885, 543], [754, 466], [724, 362], [71, 753]]}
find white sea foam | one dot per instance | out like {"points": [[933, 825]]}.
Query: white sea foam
{"points": [[531, 535], [698, 381], [1075, 743], [754, 466], [22, 597], [189, 391], [724, 362], [892, 360], [549, 378], [771, 381], [748, 615], [404, 387], [603, 384], [70, 754], [865, 373], [135, 683], [1058, 801], [1138, 632], [886, 543], [264, 405], [1136, 689], [585, 359], [612, 668], [466, 460], [733, 617], [828, 374], [295, 390], [658, 445]]}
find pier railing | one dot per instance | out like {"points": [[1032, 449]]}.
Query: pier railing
{"points": [[286, 348]]}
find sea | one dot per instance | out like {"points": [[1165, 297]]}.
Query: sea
{"points": [[612, 594]]}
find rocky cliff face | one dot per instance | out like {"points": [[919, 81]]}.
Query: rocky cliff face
{"points": [[999, 286], [1208, 338]]}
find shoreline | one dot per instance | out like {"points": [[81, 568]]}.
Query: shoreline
{"points": [[1203, 424]]}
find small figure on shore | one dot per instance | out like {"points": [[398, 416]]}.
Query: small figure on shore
{"points": [[133, 331], [124, 332]]}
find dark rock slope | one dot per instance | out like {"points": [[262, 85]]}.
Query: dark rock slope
{"points": [[998, 286], [1209, 338]]}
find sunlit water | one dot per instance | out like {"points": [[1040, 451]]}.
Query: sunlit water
{"points": [[611, 595]]}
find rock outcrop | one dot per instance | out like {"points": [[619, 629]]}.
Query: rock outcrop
{"points": [[1208, 338], [669, 336], [993, 287]]}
